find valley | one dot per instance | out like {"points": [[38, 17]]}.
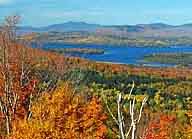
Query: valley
{"points": [[95, 82]]}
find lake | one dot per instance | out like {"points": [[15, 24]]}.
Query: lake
{"points": [[123, 54]]}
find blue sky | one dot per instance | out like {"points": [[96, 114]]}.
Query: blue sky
{"points": [[108, 12]]}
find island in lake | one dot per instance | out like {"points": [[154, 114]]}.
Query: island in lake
{"points": [[124, 75], [181, 59], [77, 50]]}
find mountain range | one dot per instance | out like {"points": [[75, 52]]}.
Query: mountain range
{"points": [[155, 30], [63, 27]]}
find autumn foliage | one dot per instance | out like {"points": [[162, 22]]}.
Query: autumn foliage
{"points": [[36, 106], [63, 116], [160, 128]]}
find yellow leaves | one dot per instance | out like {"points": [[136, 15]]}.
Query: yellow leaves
{"points": [[140, 98], [61, 116], [126, 97], [188, 131]]}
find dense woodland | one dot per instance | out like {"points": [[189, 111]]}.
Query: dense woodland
{"points": [[47, 95]]}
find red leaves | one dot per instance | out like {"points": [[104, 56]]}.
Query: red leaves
{"points": [[30, 87], [160, 129]]}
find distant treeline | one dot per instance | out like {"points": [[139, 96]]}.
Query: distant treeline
{"points": [[76, 50], [93, 38]]}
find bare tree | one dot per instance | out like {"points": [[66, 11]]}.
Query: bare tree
{"points": [[8, 100], [126, 131]]}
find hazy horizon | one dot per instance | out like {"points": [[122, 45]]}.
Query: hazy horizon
{"points": [[64, 22]]}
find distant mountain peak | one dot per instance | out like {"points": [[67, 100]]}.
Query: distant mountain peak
{"points": [[71, 26], [155, 25], [73, 22], [187, 25], [139, 30]]}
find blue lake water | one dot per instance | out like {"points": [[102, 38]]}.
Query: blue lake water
{"points": [[123, 54]]}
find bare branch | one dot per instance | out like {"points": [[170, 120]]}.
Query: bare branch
{"points": [[121, 121], [109, 110], [130, 93], [141, 109], [121, 130]]}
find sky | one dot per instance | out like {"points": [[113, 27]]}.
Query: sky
{"points": [[105, 12]]}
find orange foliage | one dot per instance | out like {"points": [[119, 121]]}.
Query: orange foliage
{"points": [[63, 116], [68, 119], [160, 129], [22, 91]]}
